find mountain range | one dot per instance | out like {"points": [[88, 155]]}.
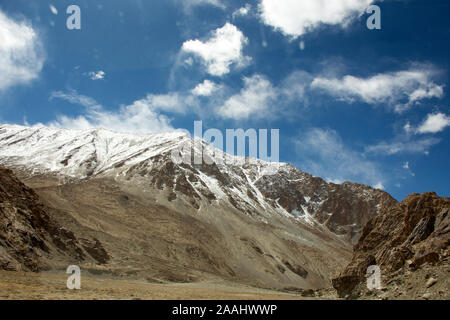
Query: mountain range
{"points": [[161, 220]]}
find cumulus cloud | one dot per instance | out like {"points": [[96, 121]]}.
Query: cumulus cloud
{"points": [[324, 154], [434, 123], [206, 88], [221, 50], [21, 54], [96, 75], [295, 18], [253, 100], [142, 116], [400, 89]]}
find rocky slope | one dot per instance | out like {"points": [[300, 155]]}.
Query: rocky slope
{"points": [[403, 241], [162, 220], [29, 236]]}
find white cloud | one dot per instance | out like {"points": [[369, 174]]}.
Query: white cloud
{"points": [[408, 142], [221, 50], [407, 127], [335, 181], [403, 145], [75, 98], [259, 98], [96, 75], [193, 3], [434, 123], [189, 61], [206, 88], [142, 116], [323, 153], [379, 185], [400, 89], [294, 87], [295, 18], [301, 45], [172, 102], [253, 100], [406, 167], [53, 9], [21, 54], [242, 12]]}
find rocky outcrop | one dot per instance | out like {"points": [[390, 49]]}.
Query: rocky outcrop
{"points": [[405, 237], [28, 234], [343, 208]]}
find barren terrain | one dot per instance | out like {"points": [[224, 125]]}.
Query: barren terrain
{"points": [[42, 286]]}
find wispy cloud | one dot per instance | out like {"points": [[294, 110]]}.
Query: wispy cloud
{"points": [[407, 168], [400, 89], [410, 142], [21, 53], [75, 98], [53, 9], [96, 75], [242, 12], [324, 154], [403, 145], [189, 4]]}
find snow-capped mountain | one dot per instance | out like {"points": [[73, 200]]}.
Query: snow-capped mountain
{"points": [[146, 161]]}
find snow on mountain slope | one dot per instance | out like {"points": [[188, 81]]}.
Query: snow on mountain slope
{"points": [[78, 153], [140, 159]]}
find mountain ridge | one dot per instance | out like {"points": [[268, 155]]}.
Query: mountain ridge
{"points": [[100, 152], [168, 221]]}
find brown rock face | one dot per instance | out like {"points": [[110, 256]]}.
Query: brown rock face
{"points": [[413, 233], [344, 209], [28, 233]]}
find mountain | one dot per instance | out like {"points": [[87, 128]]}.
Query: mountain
{"points": [[165, 220], [406, 240], [29, 236]]}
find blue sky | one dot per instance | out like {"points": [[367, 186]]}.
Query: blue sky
{"points": [[370, 106]]}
